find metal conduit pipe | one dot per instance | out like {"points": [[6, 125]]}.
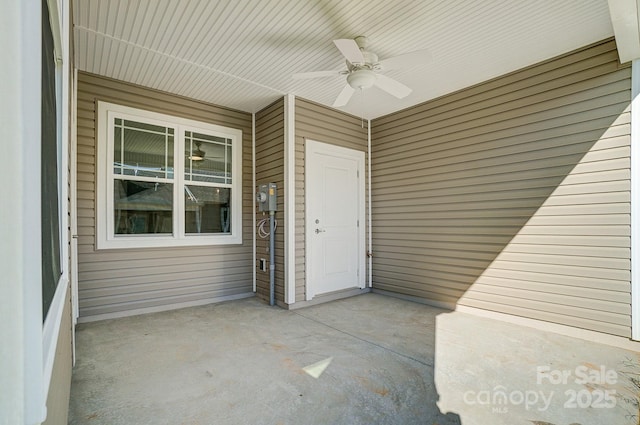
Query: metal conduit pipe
{"points": [[272, 258], [267, 198]]}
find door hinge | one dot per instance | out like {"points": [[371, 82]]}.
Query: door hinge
{"points": [[358, 223], [358, 173]]}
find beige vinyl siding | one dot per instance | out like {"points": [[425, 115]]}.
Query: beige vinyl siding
{"points": [[270, 169], [131, 280], [322, 124], [513, 195]]}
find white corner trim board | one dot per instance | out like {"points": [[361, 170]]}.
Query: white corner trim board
{"points": [[253, 216], [369, 225], [635, 200], [290, 198]]}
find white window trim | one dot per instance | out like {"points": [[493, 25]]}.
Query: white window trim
{"points": [[53, 320], [105, 238]]}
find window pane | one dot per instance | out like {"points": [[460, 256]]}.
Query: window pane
{"points": [[145, 126], [49, 196], [142, 207], [117, 148], [228, 162], [207, 158], [142, 149], [207, 209], [210, 138]]}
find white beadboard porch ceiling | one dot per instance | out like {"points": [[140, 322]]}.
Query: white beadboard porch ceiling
{"points": [[242, 53]]}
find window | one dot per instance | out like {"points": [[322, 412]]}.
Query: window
{"points": [[166, 181], [50, 218]]}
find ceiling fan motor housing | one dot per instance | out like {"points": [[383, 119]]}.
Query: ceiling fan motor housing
{"points": [[370, 62], [362, 76]]}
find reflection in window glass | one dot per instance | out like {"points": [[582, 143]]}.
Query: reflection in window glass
{"points": [[142, 149], [207, 209], [207, 158], [142, 207]]}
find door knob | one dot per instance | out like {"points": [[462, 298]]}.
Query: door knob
{"points": [[320, 231]]}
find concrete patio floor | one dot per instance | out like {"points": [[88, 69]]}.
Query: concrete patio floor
{"points": [[369, 359]]}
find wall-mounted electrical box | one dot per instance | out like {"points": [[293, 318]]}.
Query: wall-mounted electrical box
{"points": [[267, 197]]}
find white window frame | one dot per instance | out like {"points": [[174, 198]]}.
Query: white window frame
{"points": [[105, 237]]}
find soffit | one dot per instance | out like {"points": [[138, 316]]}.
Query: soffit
{"points": [[241, 54]]}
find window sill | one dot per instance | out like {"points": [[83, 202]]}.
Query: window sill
{"points": [[124, 242]]}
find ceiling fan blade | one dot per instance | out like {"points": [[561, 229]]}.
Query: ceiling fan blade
{"points": [[406, 60], [392, 86], [315, 74], [350, 50], [344, 96]]}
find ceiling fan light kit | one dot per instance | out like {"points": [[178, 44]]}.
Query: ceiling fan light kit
{"points": [[361, 78], [365, 71], [197, 154]]}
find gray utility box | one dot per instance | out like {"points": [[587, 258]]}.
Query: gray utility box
{"points": [[267, 197]]}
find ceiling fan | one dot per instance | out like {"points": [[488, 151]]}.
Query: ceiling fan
{"points": [[197, 154], [364, 69]]}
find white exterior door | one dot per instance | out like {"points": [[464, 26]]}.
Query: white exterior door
{"points": [[335, 242]]}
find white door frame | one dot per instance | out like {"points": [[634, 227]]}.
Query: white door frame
{"points": [[313, 146]]}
